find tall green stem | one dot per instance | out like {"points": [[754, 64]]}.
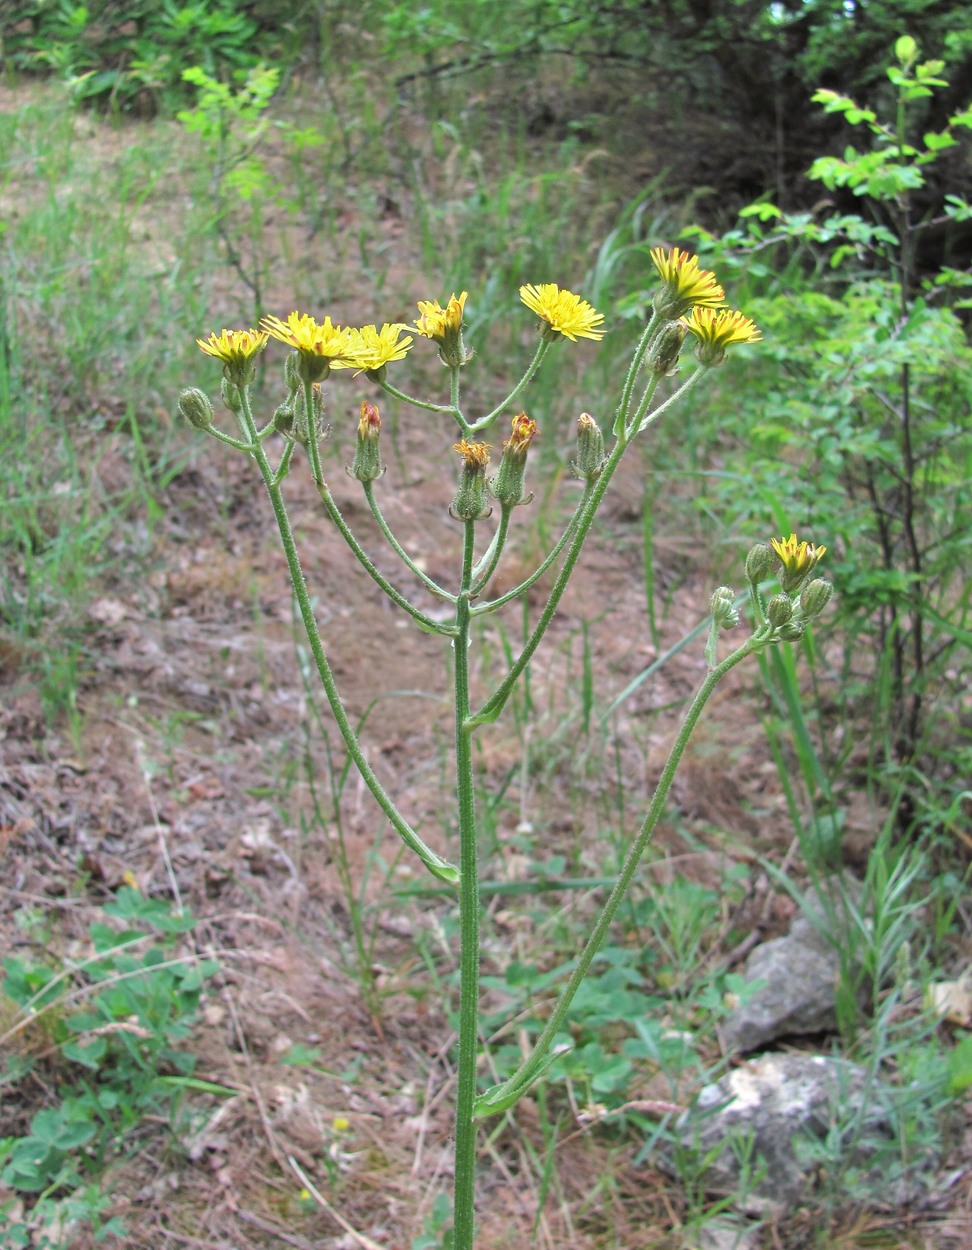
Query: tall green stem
{"points": [[465, 1149]]}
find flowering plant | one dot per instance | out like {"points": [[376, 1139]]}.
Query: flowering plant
{"points": [[689, 302]]}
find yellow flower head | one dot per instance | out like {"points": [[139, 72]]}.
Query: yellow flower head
{"points": [[369, 348], [563, 312], [474, 455], [439, 323], [319, 345], [798, 559], [716, 329], [235, 348], [686, 285]]}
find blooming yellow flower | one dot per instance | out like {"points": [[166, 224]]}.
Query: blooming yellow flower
{"points": [[686, 285], [234, 347], [798, 559], [437, 322], [369, 348], [319, 345], [564, 312], [716, 329]]}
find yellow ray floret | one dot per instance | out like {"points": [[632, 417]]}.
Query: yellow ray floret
{"points": [[563, 311], [369, 348], [436, 322], [234, 347], [685, 281], [322, 341], [717, 329], [797, 556]]}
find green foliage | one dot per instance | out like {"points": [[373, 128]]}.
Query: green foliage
{"points": [[231, 126], [863, 386], [116, 1020], [128, 56]]}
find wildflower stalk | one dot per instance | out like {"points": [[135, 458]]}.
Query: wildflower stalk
{"points": [[438, 866], [465, 1147], [319, 347], [502, 1097], [487, 566], [492, 604], [431, 586], [491, 710], [534, 365], [334, 512]]}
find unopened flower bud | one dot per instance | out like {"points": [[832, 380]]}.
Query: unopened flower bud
{"points": [[196, 408], [230, 393], [507, 486], [723, 607], [815, 597], [367, 466], [283, 420], [471, 502], [292, 372], [779, 610], [793, 630], [663, 357], [760, 563], [590, 449], [317, 403]]}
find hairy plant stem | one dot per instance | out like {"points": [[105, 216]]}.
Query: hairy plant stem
{"points": [[465, 1145]]}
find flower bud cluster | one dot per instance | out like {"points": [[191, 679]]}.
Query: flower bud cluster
{"points": [[799, 600], [725, 614]]}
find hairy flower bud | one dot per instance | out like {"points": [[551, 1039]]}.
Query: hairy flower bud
{"points": [[590, 449], [367, 466], [196, 408], [779, 610], [723, 607], [663, 356], [292, 372], [815, 597], [507, 486], [283, 420], [230, 393], [471, 502], [760, 563], [793, 630]]}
